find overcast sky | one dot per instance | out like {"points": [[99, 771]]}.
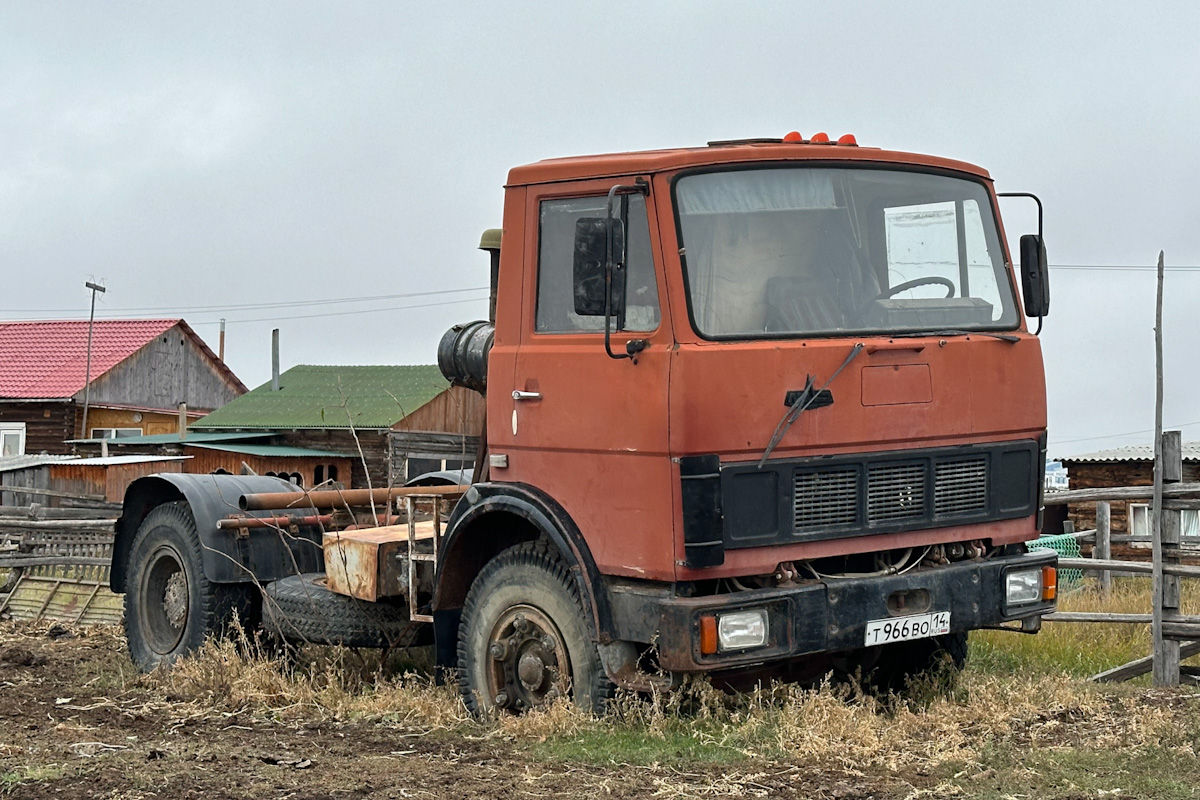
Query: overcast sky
{"points": [[222, 159]]}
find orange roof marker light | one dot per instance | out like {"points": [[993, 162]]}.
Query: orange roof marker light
{"points": [[819, 138], [794, 137], [848, 139]]}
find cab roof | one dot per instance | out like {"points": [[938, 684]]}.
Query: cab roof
{"points": [[717, 153]]}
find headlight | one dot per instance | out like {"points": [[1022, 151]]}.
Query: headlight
{"points": [[742, 629], [1023, 587]]}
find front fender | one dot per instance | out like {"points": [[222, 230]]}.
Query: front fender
{"points": [[471, 542], [264, 555]]}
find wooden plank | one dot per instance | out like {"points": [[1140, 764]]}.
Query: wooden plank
{"points": [[91, 498], [32, 560], [1102, 549], [1174, 632], [1140, 567], [1089, 616], [100, 525], [1119, 493], [1141, 666]]}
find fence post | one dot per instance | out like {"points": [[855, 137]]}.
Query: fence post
{"points": [[1102, 549], [1166, 551]]}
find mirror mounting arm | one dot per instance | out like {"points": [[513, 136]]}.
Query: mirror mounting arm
{"points": [[611, 265], [1041, 241]]}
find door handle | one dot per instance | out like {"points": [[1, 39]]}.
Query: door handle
{"points": [[519, 395]]}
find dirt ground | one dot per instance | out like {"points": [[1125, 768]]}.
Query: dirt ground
{"points": [[77, 721]]}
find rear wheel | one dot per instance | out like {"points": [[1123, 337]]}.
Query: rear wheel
{"points": [[170, 606], [523, 640]]}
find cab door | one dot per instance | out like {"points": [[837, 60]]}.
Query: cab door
{"points": [[587, 429]]}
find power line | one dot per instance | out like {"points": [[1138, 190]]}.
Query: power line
{"points": [[344, 313], [1119, 435], [252, 306]]}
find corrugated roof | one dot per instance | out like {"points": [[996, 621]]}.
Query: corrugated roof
{"points": [[47, 360], [1191, 452], [332, 397], [9, 463], [173, 438], [270, 450], [25, 462]]}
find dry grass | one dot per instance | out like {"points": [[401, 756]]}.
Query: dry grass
{"points": [[319, 683], [830, 726], [1079, 649]]}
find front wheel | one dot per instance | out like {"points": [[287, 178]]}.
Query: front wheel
{"points": [[523, 640], [933, 662], [170, 606]]}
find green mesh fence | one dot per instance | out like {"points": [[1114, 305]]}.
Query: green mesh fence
{"points": [[1067, 546]]}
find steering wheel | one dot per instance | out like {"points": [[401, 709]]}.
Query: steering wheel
{"points": [[903, 287]]}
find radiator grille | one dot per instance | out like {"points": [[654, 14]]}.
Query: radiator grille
{"points": [[889, 494], [828, 497], [895, 492], [960, 486]]}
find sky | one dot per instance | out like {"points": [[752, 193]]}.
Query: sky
{"points": [[327, 169]]}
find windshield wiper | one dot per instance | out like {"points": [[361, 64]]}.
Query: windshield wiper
{"points": [[806, 398], [1008, 337]]}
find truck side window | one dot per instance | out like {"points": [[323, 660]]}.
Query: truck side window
{"points": [[556, 253]]}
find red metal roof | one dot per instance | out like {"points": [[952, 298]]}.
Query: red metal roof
{"points": [[48, 360]]}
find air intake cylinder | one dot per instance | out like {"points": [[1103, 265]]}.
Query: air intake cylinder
{"points": [[463, 354]]}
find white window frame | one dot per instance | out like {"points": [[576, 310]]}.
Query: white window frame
{"points": [[1139, 523], [114, 433], [6, 429]]}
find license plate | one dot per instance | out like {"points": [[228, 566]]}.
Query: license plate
{"points": [[903, 629]]}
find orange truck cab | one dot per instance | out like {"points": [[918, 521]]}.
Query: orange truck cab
{"points": [[763, 400], [761, 409]]}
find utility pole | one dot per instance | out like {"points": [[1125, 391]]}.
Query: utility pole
{"points": [[87, 380]]}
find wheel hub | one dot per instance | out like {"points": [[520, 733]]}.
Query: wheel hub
{"points": [[175, 600], [528, 660], [532, 671]]}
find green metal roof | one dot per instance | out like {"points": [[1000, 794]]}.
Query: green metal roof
{"points": [[193, 436], [331, 397], [270, 450]]}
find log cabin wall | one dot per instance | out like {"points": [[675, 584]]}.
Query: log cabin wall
{"points": [[1111, 474], [48, 424]]}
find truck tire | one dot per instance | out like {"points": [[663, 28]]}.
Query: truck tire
{"points": [[523, 640], [170, 606], [302, 609], [903, 665]]}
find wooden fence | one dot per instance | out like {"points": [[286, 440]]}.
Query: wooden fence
{"points": [[1176, 636], [54, 563]]}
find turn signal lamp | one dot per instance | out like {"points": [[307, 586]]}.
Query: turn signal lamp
{"points": [[1049, 583], [793, 136], [848, 139], [708, 635], [820, 138]]}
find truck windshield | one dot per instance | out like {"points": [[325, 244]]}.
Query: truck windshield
{"points": [[827, 251]]}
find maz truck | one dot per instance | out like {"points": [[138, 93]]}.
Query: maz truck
{"points": [[767, 408]]}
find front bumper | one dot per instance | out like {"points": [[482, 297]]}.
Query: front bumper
{"points": [[820, 617]]}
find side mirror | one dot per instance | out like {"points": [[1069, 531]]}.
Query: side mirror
{"points": [[1035, 277], [591, 259]]}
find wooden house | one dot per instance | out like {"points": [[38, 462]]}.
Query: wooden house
{"points": [[1126, 466], [140, 370], [392, 422]]}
